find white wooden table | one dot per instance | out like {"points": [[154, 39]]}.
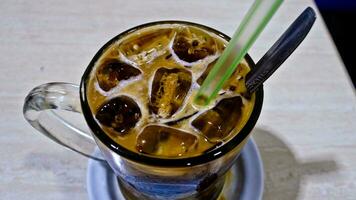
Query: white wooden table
{"points": [[306, 133]]}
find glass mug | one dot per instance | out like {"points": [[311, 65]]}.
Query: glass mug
{"points": [[140, 176]]}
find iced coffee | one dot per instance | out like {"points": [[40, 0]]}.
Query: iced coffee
{"points": [[141, 91]]}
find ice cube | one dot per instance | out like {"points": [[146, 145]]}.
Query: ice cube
{"points": [[165, 141], [145, 41], [202, 77], [218, 122], [120, 114], [236, 81], [169, 89], [191, 47], [112, 71]]}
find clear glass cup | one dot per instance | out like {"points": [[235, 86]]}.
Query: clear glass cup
{"points": [[140, 176]]}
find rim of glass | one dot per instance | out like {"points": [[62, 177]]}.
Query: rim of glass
{"points": [[156, 161]]}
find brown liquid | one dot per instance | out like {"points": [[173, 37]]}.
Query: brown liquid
{"points": [[175, 59]]}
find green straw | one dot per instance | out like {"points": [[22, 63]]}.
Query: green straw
{"points": [[246, 34]]}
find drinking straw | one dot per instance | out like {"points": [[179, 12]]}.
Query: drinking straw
{"points": [[245, 35]]}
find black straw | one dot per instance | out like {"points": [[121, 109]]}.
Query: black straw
{"points": [[281, 50]]}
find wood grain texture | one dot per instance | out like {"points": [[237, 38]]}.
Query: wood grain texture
{"points": [[306, 133]]}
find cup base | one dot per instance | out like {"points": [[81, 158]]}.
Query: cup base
{"points": [[243, 181]]}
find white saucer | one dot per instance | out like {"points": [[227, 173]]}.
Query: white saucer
{"points": [[246, 182]]}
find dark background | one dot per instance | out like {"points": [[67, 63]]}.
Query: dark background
{"points": [[340, 18]]}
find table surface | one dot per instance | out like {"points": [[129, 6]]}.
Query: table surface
{"points": [[306, 132]]}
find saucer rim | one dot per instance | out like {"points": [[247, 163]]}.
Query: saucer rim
{"points": [[99, 177]]}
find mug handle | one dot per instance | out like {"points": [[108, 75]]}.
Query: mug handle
{"points": [[39, 108]]}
